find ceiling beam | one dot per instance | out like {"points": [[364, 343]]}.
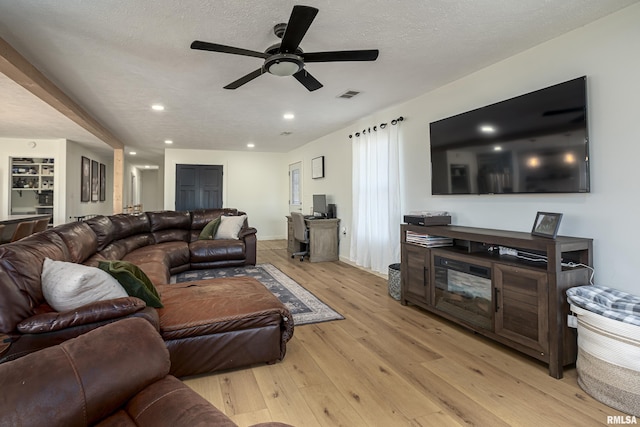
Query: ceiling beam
{"points": [[17, 68]]}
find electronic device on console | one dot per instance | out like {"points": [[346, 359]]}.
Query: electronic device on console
{"points": [[428, 218]]}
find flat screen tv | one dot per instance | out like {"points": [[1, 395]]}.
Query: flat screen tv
{"points": [[533, 143]]}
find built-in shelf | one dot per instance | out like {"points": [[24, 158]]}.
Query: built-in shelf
{"points": [[32, 183]]}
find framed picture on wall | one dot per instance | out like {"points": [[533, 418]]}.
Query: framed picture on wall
{"points": [[317, 167], [94, 181], [103, 182], [85, 179]]}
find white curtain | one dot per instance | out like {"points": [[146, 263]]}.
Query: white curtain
{"points": [[375, 238]]}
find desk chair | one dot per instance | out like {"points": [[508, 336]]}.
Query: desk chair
{"points": [[301, 234], [23, 229], [40, 225]]}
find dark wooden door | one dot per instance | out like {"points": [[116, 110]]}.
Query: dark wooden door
{"points": [[521, 306], [415, 273], [198, 187]]}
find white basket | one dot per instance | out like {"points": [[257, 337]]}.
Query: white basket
{"points": [[608, 362]]}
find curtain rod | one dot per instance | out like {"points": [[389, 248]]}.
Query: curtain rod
{"points": [[375, 128]]}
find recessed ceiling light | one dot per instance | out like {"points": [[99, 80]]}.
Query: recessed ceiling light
{"points": [[487, 129], [497, 148], [157, 107], [168, 141], [133, 153], [251, 145], [289, 116]]}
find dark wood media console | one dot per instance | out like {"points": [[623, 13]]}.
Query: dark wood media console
{"points": [[518, 302]]}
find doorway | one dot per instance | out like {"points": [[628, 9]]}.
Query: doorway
{"points": [[295, 187], [198, 187]]}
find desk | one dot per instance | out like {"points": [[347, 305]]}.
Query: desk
{"points": [[323, 238], [11, 222]]}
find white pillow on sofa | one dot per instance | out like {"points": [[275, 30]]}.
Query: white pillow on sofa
{"points": [[66, 285], [229, 227]]}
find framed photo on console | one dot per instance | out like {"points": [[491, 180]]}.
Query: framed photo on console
{"points": [[546, 224]]}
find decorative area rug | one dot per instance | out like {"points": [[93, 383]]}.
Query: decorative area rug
{"points": [[305, 307]]}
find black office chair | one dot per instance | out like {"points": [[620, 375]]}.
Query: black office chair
{"points": [[301, 234]]}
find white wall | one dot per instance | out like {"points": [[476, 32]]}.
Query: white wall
{"points": [[336, 184], [151, 190], [253, 182], [74, 207], [607, 53]]}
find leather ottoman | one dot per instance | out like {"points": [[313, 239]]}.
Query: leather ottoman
{"points": [[222, 323]]}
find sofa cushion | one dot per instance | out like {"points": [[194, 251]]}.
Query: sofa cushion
{"points": [[104, 229], [216, 250], [209, 230], [125, 225], [79, 238], [163, 220], [201, 217], [171, 235], [66, 285], [230, 227], [120, 248], [133, 280]]}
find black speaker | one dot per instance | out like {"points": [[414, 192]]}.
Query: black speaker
{"points": [[331, 210]]}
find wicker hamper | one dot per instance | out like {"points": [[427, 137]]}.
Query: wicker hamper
{"points": [[608, 363], [394, 281]]}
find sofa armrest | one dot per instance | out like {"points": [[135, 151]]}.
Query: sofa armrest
{"points": [[246, 232], [248, 235], [91, 313], [83, 380]]}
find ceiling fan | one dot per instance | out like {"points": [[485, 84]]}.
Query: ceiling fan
{"points": [[286, 58]]}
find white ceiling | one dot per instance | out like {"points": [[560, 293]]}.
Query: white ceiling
{"points": [[117, 57]]}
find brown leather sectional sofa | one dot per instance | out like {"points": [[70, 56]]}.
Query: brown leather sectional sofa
{"points": [[60, 385], [207, 325]]}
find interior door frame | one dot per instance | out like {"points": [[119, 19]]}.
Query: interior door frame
{"points": [[293, 167]]}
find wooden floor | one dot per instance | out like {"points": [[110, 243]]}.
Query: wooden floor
{"points": [[390, 365]]}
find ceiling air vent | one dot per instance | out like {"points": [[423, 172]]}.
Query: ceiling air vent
{"points": [[349, 94]]}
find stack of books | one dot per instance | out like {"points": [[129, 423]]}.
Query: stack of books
{"points": [[427, 240]]}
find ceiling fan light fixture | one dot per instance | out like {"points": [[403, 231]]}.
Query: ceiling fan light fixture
{"points": [[283, 64]]}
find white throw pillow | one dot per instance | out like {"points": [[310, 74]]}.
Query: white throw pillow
{"points": [[230, 227], [66, 285]]}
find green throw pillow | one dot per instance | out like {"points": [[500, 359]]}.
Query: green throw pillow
{"points": [[209, 230], [133, 280]]}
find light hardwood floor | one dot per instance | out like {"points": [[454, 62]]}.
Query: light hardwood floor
{"points": [[390, 365]]}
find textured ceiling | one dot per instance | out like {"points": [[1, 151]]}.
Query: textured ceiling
{"points": [[117, 57]]}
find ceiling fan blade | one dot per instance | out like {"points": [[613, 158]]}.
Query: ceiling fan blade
{"points": [[307, 80], [299, 22], [214, 47], [245, 79], [342, 55]]}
